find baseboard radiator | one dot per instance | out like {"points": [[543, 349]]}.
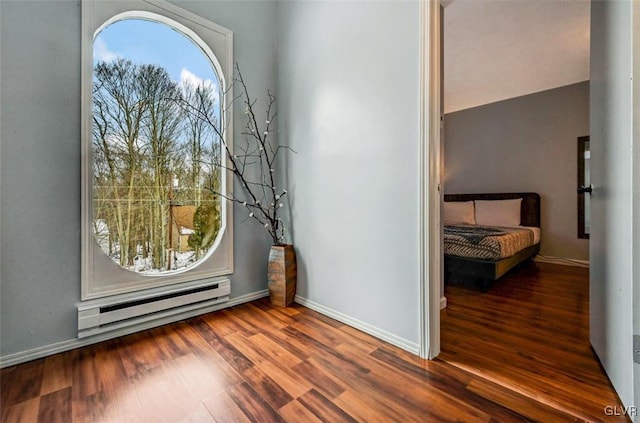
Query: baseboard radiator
{"points": [[99, 317]]}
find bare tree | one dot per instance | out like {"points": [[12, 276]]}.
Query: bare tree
{"points": [[161, 131], [143, 138], [117, 114], [204, 160]]}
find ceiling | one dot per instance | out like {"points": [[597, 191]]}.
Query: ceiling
{"points": [[500, 49]]}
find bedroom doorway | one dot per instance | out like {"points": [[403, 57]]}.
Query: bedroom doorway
{"points": [[611, 283], [503, 130]]}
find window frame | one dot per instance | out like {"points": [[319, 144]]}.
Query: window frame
{"points": [[101, 277]]}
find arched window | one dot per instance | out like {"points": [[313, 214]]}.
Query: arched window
{"points": [[154, 84]]}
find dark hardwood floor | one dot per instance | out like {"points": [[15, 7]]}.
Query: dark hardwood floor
{"points": [[524, 358], [529, 334]]}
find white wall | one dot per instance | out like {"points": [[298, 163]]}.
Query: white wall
{"points": [[349, 87], [612, 202], [40, 161]]}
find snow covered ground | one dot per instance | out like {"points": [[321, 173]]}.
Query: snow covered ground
{"points": [[144, 265]]}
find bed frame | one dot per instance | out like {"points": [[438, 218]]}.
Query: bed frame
{"points": [[491, 270]]}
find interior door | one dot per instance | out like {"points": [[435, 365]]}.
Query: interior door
{"points": [[611, 239]]}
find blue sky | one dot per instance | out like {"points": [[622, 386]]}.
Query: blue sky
{"points": [[147, 42]]}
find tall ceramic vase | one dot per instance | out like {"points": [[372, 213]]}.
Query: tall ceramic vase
{"points": [[282, 275]]}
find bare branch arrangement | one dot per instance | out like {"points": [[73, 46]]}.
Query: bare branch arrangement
{"points": [[254, 163]]}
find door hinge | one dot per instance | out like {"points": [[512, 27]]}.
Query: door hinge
{"points": [[636, 349]]}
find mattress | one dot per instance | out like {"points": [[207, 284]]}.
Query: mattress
{"points": [[487, 242], [536, 233]]}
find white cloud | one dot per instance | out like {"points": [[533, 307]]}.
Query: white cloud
{"points": [[101, 52], [187, 77]]}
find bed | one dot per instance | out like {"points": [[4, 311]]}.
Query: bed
{"points": [[499, 240]]}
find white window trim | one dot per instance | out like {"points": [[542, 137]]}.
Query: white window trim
{"points": [[98, 270]]}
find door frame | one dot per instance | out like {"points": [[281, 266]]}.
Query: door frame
{"points": [[635, 134], [430, 186]]}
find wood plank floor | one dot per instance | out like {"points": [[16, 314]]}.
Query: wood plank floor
{"points": [[529, 334], [255, 363]]}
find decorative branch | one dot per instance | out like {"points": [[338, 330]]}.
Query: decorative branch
{"points": [[257, 160]]}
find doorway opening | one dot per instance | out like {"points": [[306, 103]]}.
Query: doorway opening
{"points": [[509, 143]]}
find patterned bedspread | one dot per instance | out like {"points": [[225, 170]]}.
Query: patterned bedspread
{"points": [[484, 242]]}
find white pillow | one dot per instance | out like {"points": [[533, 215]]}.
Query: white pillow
{"points": [[498, 212], [459, 212]]}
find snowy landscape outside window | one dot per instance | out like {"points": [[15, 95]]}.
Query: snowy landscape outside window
{"points": [[151, 160]]}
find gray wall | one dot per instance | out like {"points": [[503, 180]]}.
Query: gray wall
{"points": [[614, 196], [349, 86], [523, 144], [40, 161]]}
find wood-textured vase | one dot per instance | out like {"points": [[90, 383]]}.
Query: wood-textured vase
{"points": [[283, 274]]}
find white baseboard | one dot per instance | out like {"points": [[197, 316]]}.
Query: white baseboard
{"points": [[358, 324], [443, 302], [562, 261], [46, 350]]}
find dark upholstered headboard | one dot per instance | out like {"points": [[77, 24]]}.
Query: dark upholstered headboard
{"points": [[529, 213]]}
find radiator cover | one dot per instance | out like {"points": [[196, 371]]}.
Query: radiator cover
{"points": [[107, 314]]}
